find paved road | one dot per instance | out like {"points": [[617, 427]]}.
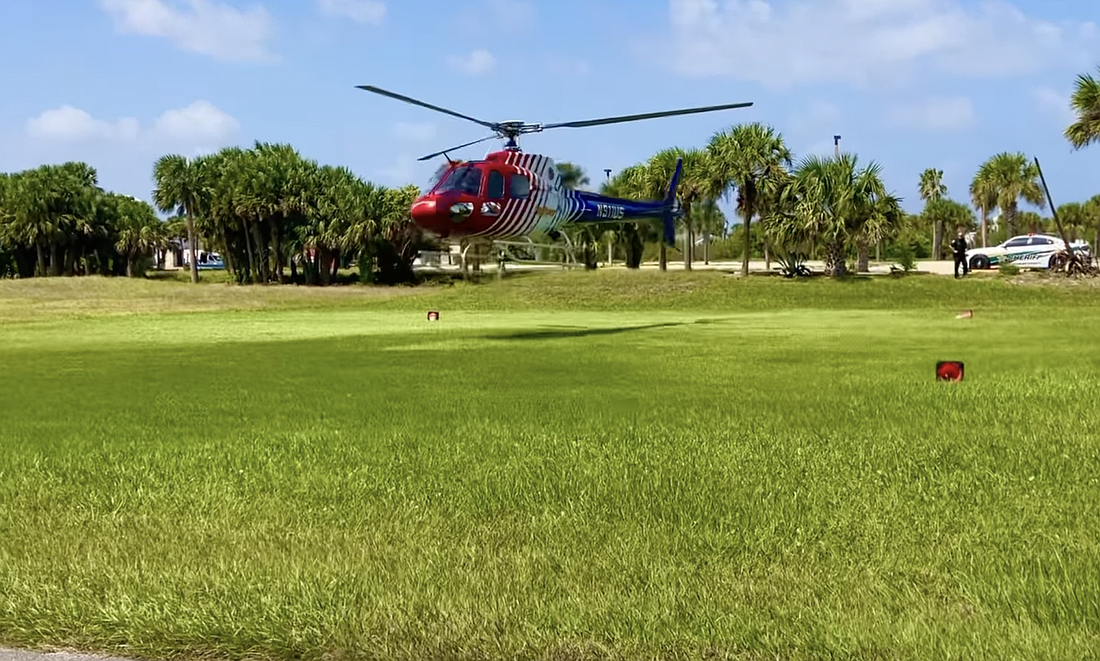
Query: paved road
{"points": [[945, 267], [23, 655]]}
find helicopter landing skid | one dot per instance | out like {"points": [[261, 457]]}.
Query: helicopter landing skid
{"points": [[522, 252]]}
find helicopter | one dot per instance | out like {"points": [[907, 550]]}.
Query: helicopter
{"points": [[511, 194]]}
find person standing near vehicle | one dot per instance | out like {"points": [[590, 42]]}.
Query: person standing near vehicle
{"points": [[958, 246]]}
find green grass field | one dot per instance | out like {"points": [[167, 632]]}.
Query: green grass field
{"points": [[566, 466]]}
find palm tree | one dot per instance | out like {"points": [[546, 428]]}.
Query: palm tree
{"points": [[1091, 210], [402, 238], [628, 184], [215, 218], [708, 217], [1086, 104], [932, 189], [694, 186], [750, 158], [1012, 177], [983, 195], [644, 181], [831, 201], [339, 200], [694, 190], [882, 218], [52, 207], [180, 184], [946, 212], [1074, 219], [139, 230], [29, 223], [572, 176]]}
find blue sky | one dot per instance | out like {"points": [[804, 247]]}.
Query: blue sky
{"points": [[908, 83]]}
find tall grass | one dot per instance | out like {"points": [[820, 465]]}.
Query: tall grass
{"points": [[578, 466]]}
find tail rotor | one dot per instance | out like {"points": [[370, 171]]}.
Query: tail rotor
{"points": [[671, 210]]}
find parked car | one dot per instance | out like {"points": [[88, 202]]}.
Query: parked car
{"points": [[206, 260], [1034, 251]]}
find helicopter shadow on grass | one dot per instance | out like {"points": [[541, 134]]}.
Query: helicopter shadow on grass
{"points": [[549, 332]]}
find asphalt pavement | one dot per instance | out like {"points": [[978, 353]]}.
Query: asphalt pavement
{"points": [[943, 267]]}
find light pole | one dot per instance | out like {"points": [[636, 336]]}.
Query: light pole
{"points": [[607, 171], [836, 145]]}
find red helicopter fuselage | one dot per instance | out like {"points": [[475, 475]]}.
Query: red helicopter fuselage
{"points": [[508, 194]]}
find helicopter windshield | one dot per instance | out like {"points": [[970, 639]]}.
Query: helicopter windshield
{"points": [[438, 175], [463, 179]]}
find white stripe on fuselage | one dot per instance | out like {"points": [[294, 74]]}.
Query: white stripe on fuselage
{"points": [[521, 217]]}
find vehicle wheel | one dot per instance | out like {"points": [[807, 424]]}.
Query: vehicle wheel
{"points": [[1057, 262], [978, 262]]}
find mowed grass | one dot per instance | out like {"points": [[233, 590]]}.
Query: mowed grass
{"points": [[566, 466]]}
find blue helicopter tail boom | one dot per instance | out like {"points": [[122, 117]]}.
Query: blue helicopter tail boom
{"points": [[602, 209]]}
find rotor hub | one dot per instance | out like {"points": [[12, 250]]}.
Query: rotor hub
{"points": [[512, 129]]}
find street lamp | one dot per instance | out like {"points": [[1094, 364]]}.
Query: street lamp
{"points": [[607, 171], [836, 145]]}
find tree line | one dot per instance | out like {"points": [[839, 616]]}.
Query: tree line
{"points": [[835, 208], [55, 220], [272, 214], [276, 216]]}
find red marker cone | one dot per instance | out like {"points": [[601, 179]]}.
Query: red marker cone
{"points": [[949, 370]]}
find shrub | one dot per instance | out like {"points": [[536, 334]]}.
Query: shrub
{"points": [[905, 257], [793, 265]]}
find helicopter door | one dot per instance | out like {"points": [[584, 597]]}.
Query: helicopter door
{"points": [[519, 187], [494, 194]]}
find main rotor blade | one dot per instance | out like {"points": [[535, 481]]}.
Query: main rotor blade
{"points": [[649, 115], [439, 153], [407, 99]]}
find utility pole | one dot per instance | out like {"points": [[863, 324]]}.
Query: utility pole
{"points": [[836, 145]]}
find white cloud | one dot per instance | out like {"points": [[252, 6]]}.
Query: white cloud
{"points": [[199, 125], [476, 63], [367, 12], [935, 114], [1055, 104], [71, 124], [199, 122], [865, 41], [209, 28], [513, 13], [413, 132]]}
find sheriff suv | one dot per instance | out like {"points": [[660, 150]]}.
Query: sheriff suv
{"points": [[1034, 251]]}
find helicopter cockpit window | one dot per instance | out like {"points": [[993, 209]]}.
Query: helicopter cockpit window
{"points": [[438, 175], [496, 185], [520, 186], [464, 179]]}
